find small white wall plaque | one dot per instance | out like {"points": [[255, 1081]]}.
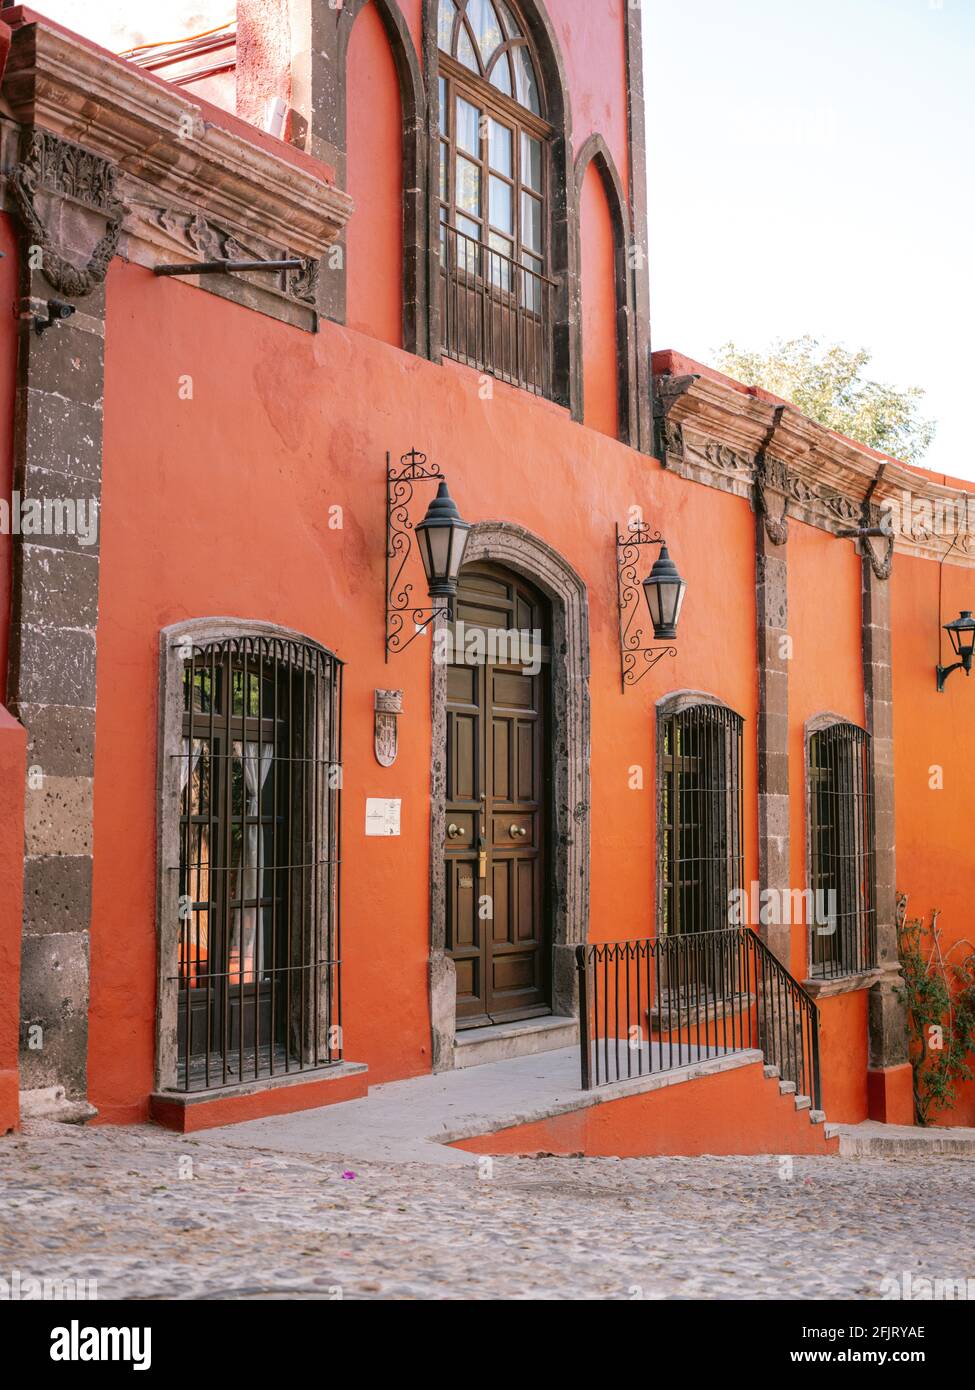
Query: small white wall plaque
{"points": [[382, 816]]}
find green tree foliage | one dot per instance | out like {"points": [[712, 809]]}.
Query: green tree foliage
{"points": [[828, 384]]}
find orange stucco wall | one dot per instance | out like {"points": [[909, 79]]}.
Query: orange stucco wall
{"points": [[374, 239], [934, 741], [220, 505], [600, 347], [735, 1112]]}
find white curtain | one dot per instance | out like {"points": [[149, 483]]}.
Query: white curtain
{"points": [[245, 946]]}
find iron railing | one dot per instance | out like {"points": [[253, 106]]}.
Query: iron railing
{"points": [[259, 952], [495, 314], [659, 1003]]}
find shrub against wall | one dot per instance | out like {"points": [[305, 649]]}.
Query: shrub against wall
{"points": [[939, 993]]}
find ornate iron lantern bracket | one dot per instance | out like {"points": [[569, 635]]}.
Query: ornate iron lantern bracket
{"points": [[399, 543], [628, 543]]}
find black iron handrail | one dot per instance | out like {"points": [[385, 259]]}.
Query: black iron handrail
{"points": [[655, 1004]]}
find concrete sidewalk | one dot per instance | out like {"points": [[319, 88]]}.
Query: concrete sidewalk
{"points": [[415, 1120], [871, 1139]]}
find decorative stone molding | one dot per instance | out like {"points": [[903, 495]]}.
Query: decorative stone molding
{"points": [[67, 171], [771, 499], [507, 544], [187, 174]]}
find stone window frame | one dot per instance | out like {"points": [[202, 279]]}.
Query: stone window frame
{"points": [[824, 985], [510, 545], [199, 631], [676, 702]]}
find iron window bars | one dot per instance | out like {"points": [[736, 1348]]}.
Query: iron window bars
{"points": [[700, 812], [841, 852], [259, 985]]}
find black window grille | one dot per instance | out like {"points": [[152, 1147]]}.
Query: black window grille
{"points": [[259, 988], [700, 825], [841, 845]]}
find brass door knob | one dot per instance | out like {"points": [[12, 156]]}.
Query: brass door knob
{"points": [[454, 830], [516, 830]]}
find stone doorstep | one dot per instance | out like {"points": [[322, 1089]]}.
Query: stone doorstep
{"points": [[475, 1047]]}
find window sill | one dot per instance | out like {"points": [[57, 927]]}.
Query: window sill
{"points": [[824, 987], [188, 1111]]}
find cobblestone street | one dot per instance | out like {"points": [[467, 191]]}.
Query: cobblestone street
{"points": [[150, 1214]]}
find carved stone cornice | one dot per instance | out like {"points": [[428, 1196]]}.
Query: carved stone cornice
{"points": [[178, 162], [790, 466]]}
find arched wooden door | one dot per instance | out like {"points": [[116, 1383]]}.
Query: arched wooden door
{"points": [[497, 809]]}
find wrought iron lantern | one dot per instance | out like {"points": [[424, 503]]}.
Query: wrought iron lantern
{"points": [[962, 635], [441, 539], [664, 591]]}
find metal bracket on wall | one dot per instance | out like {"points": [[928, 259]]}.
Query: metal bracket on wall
{"points": [[399, 542], [222, 267], [628, 587]]}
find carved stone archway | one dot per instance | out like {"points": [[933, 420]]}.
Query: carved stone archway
{"points": [[506, 544]]}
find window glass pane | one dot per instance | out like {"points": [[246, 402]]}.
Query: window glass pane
{"points": [[467, 251], [500, 269], [531, 222], [508, 19], [525, 83], [444, 156], [531, 288], [467, 193], [502, 212], [443, 106], [501, 75], [465, 52], [531, 162], [486, 25], [445, 24], [499, 147], [468, 127]]}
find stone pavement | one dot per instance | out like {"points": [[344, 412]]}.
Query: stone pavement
{"points": [[415, 1119], [150, 1214]]}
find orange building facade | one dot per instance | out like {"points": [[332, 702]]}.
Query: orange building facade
{"points": [[278, 847]]}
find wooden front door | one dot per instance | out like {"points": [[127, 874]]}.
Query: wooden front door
{"points": [[497, 800]]}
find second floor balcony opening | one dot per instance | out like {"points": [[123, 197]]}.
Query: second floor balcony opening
{"points": [[496, 292]]}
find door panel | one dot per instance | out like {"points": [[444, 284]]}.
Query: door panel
{"points": [[496, 810]]}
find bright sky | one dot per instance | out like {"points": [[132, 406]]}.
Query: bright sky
{"points": [[811, 171]]}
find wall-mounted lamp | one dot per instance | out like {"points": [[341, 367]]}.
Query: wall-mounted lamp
{"points": [[441, 540], [962, 635], [664, 591]]}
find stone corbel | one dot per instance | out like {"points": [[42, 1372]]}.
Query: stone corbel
{"points": [[65, 171], [771, 487], [879, 550]]}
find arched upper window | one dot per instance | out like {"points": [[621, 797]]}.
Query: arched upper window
{"points": [[496, 302], [486, 38]]}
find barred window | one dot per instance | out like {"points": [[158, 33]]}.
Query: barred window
{"points": [[259, 790], [700, 817], [841, 852]]}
